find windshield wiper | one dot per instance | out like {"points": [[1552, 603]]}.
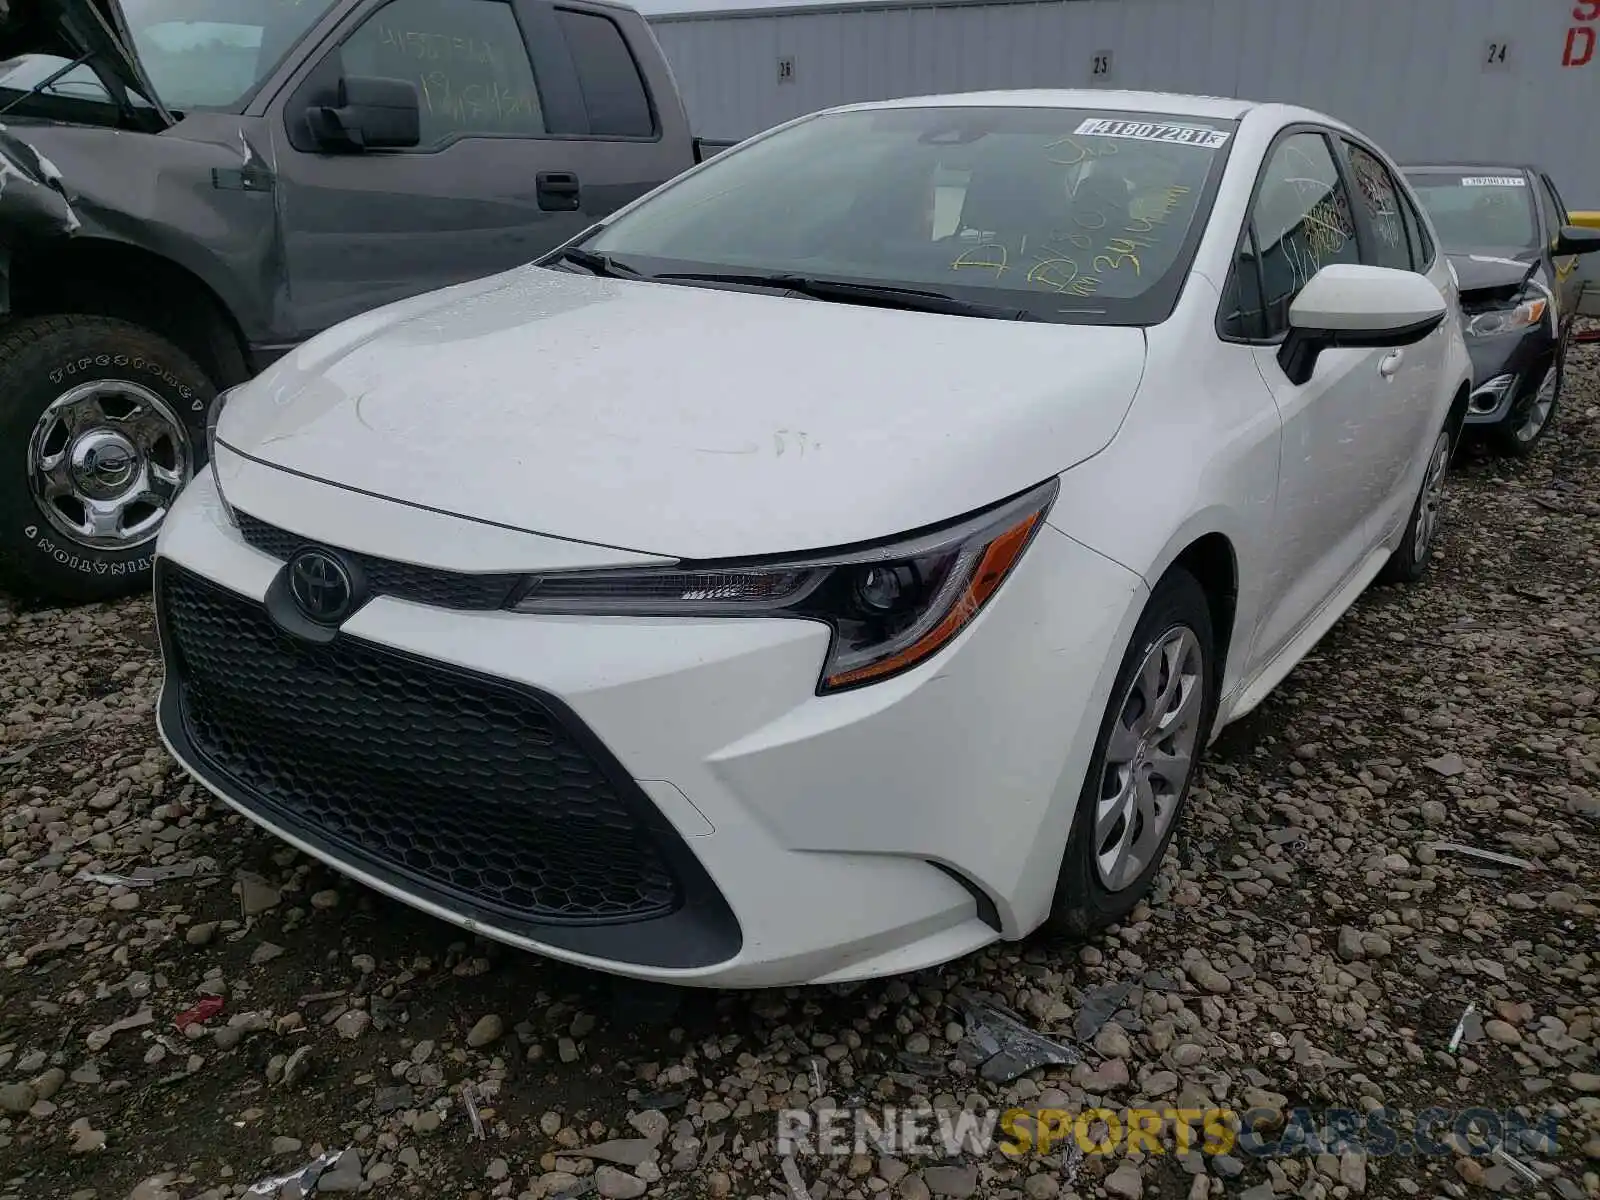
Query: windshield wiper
{"points": [[881, 295], [598, 264]]}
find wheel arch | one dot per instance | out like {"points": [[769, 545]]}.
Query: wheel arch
{"points": [[1208, 549], [104, 277]]}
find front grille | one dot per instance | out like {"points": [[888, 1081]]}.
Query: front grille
{"points": [[478, 790], [388, 577]]}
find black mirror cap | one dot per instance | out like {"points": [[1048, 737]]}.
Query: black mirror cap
{"points": [[1576, 239], [371, 114], [1300, 349]]}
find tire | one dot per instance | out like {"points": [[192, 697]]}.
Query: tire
{"points": [[92, 411], [1410, 559], [1530, 417], [1088, 896]]}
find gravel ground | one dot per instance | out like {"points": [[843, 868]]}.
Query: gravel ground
{"points": [[1308, 944]]}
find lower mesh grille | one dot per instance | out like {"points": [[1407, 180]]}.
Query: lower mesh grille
{"points": [[475, 788]]}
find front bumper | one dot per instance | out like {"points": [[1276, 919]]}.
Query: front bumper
{"points": [[762, 835], [1504, 370]]}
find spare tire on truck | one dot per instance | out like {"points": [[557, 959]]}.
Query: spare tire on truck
{"points": [[101, 423]]}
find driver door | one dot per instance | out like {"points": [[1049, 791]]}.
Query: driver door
{"points": [[363, 229], [1334, 474]]}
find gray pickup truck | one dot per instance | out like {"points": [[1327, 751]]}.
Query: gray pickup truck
{"points": [[191, 188]]}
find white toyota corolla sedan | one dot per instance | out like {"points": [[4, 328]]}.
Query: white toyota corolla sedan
{"points": [[837, 560]]}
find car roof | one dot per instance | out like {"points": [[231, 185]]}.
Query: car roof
{"points": [[1469, 165], [1177, 104]]}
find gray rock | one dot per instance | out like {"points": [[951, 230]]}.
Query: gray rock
{"points": [[343, 1175], [629, 1152], [1349, 945], [286, 1145], [1124, 1183], [617, 1185], [951, 1181], [17, 1097], [487, 1030], [257, 896], [651, 1123]]}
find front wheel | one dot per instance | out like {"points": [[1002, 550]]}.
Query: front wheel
{"points": [[1150, 742], [101, 424], [1409, 562], [1532, 415]]}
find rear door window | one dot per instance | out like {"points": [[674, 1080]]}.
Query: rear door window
{"points": [[1379, 200], [613, 91]]}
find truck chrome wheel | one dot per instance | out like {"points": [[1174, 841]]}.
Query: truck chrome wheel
{"points": [[105, 462]]}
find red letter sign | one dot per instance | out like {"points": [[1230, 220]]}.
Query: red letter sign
{"points": [[1580, 46]]}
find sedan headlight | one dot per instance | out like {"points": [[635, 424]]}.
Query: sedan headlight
{"points": [[1524, 315], [213, 417], [890, 607]]}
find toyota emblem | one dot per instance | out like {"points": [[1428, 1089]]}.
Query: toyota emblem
{"points": [[321, 586]]}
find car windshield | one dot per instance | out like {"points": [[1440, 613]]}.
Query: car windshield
{"points": [[197, 53], [1480, 209], [1061, 214]]}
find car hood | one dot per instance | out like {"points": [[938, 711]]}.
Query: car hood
{"points": [[685, 421], [70, 28], [1489, 270]]}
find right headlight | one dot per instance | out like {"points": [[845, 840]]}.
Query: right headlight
{"points": [[213, 416], [1523, 315], [890, 607]]}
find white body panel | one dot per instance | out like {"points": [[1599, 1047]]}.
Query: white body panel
{"points": [[538, 422]]}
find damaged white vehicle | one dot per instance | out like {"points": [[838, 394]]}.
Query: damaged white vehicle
{"points": [[836, 561]]}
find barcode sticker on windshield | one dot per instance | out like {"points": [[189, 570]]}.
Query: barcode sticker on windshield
{"points": [[1494, 181], [1153, 131]]}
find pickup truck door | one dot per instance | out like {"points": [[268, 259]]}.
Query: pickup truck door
{"points": [[535, 123]]}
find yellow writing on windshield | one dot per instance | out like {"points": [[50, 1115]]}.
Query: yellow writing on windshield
{"points": [[990, 263], [1080, 152]]}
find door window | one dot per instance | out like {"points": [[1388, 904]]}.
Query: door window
{"points": [[1417, 233], [1379, 199], [467, 59], [613, 92], [1554, 219], [1300, 222]]}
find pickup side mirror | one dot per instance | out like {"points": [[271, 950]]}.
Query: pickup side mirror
{"points": [[1355, 307], [371, 114], [1575, 239]]}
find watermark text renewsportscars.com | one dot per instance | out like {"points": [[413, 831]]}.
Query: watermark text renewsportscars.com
{"points": [[1256, 1133]]}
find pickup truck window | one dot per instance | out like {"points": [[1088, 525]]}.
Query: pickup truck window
{"points": [[467, 59], [206, 55], [613, 92]]}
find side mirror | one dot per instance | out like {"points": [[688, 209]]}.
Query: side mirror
{"points": [[1575, 239], [1353, 307], [371, 114]]}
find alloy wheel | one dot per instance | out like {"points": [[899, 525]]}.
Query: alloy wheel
{"points": [[1149, 757]]}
